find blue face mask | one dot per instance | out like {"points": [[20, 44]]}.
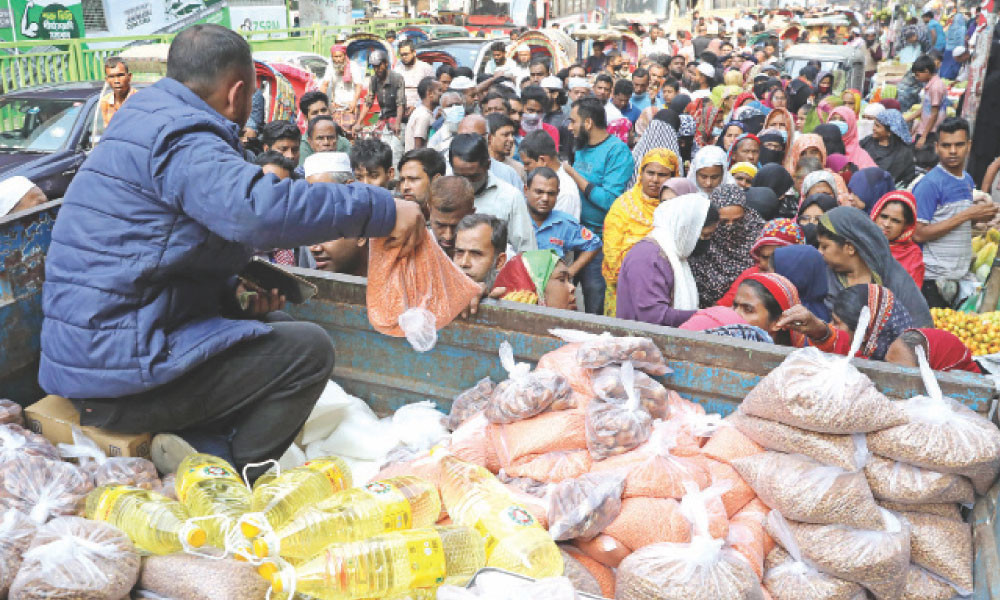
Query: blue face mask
{"points": [[784, 135], [841, 125], [716, 132], [454, 113]]}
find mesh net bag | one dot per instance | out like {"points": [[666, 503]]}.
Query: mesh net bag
{"points": [[737, 492], [42, 488], [72, 558], [943, 547], [877, 560], [16, 441], [788, 577], [527, 393], [899, 482], [10, 413], [470, 402], [614, 428], [921, 585], [825, 393], [584, 506], [844, 451], [646, 521], [805, 490], [16, 532], [608, 385]]}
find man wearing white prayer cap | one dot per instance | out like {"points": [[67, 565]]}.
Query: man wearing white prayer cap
{"points": [[328, 167], [579, 87], [470, 92], [19, 193], [705, 75]]}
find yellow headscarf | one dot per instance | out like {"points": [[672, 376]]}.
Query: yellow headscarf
{"points": [[629, 221], [744, 167], [733, 77]]}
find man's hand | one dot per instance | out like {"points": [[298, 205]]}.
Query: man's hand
{"points": [[256, 301], [798, 318], [981, 212], [494, 294], [410, 228], [920, 142]]}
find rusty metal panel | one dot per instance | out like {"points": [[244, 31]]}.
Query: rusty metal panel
{"points": [[985, 535]]}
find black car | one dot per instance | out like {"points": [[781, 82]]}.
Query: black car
{"points": [[45, 133]]}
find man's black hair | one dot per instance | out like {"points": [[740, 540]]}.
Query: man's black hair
{"points": [[924, 64], [640, 72], [313, 122], [464, 72], [445, 70], [499, 237], [954, 125], [495, 122], [310, 98], [605, 78], [614, 53], [470, 147], [593, 109], [496, 96], [201, 57], [390, 34], [371, 154], [425, 86], [540, 61], [431, 161], [498, 47], [279, 130], [406, 42], [929, 13], [543, 172], [113, 61], [538, 94], [273, 157], [537, 144], [623, 87], [670, 82]]}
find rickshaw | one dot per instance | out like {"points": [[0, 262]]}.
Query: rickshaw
{"points": [[361, 45], [279, 95], [627, 43], [302, 81], [551, 45]]}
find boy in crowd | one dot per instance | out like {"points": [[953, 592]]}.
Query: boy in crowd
{"points": [[283, 137], [276, 163], [501, 142], [554, 229], [371, 162], [452, 199]]}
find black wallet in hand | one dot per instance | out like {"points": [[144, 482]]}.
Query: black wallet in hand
{"points": [[269, 276]]}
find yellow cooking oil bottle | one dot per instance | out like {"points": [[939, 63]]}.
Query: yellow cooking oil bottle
{"points": [[155, 524], [209, 486], [514, 539], [279, 499], [392, 504], [388, 565]]}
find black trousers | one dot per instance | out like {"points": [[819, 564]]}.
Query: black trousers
{"points": [[933, 295], [257, 393]]}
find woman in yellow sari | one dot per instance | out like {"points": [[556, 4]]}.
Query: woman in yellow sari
{"points": [[631, 217]]}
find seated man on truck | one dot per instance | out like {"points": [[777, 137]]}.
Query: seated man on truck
{"points": [[142, 330]]}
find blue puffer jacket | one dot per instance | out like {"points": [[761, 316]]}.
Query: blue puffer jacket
{"points": [[162, 215]]}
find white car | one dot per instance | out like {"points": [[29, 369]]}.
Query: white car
{"points": [[309, 61]]}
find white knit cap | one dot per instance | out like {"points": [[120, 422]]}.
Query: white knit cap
{"points": [[577, 82], [12, 190], [327, 162], [706, 69], [552, 83], [460, 84]]}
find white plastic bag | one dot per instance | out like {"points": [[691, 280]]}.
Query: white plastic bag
{"points": [[419, 425], [470, 402], [598, 351], [584, 506], [118, 470], [496, 586], [608, 385], [16, 532], [42, 488], [359, 434], [526, 393], [420, 328], [327, 413], [617, 428], [17, 441]]}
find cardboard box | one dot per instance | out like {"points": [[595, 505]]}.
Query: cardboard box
{"points": [[54, 416]]}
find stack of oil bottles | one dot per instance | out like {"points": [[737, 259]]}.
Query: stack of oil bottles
{"points": [[311, 532]]}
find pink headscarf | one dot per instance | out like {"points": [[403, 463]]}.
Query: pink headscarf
{"points": [[854, 152], [712, 317], [347, 65]]}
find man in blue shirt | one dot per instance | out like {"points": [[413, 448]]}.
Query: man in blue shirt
{"points": [[640, 90], [936, 31], [620, 99], [555, 229], [601, 169]]}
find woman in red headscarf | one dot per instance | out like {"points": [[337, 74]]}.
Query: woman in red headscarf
{"points": [[762, 299], [896, 215], [944, 351]]}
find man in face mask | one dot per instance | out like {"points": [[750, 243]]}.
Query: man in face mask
{"points": [[453, 110], [470, 94]]}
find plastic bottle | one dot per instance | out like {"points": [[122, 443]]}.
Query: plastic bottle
{"points": [[514, 539], [278, 500], [358, 513], [388, 565], [154, 523], [208, 485]]}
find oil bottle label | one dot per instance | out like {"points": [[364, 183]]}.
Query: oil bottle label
{"points": [[108, 500], [426, 555], [332, 472], [202, 472], [507, 521], [396, 511]]}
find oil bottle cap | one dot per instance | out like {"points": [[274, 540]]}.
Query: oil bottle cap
{"points": [[260, 548], [249, 530], [267, 571], [196, 536]]}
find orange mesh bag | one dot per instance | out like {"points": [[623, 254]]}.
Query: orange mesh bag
{"points": [[604, 549], [563, 361], [645, 521], [738, 493], [424, 291], [553, 467], [604, 575], [728, 443], [558, 431]]}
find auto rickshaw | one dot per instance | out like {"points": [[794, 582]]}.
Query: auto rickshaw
{"points": [[552, 45], [626, 42]]}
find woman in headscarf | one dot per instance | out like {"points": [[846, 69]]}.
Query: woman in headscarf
{"points": [[752, 118], [944, 351], [764, 201], [660, 135], [630, 217], [775, 234], [813, 183], [733, 77], [772, 146], [777, 99], [852, 100], [729, 133], [839, 164], [896, 215], [824, 84], [746, 148], [655, 284], [723, 97], [890, 147], [808, 144], [854, 152], [685, 139], [712, 317], [776, 177], [761, 299], [538, 277], [856, 251], [833, 139], [709, 169], [706, 115], [781, 119], [676, 187], [743, 174], [889, 318], [803, 265], [868, 186], [811, 208], [728, 253], [680, 103]]}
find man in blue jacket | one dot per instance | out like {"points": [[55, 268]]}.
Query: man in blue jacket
{"points": [[142, 330]]}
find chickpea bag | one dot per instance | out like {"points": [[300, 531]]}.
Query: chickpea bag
{"points": [[944, 547], [414, 296], [526, 393], [617, 427], [582, 507], [849, 452], [899, 482], [789, 576]]}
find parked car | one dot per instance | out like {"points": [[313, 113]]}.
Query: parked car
{"points": [[847, 63], [469, 52], [45, 133]]}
